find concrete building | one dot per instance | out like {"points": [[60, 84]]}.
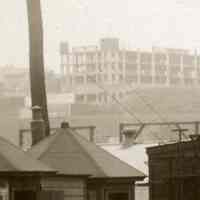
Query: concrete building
{"points": [[83, 69]]}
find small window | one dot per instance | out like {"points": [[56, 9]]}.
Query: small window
{"points": [[113, 54], [100, 68], [120, 77], [120, 67], [79, 79], [113, 77], [91, 78], [113, 66], [118, 195], [105, 77], [79, 98], [91, 97]]}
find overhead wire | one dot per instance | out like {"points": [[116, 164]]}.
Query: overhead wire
{"points": [[155, 111], [122, 106], [127, 110]]}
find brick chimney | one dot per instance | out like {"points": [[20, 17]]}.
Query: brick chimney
{"points": [[129, 138], [37, 125]]}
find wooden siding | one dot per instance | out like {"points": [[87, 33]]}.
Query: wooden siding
{"points": [[74, 188], [102, 188], [174, 171]]}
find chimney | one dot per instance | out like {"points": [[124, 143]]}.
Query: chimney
{"points": [[129, 138], [37, 125], [36, 60]]}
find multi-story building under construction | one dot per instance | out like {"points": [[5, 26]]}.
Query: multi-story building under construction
{"points": [[97, 74]]}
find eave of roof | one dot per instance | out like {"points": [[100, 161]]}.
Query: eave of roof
{"points": [[13, 159]]}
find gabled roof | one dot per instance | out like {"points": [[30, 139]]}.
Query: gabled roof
{"points": [[13, 159], [71, 154]]}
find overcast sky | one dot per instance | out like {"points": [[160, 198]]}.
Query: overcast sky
{"points": [[138, 23]]}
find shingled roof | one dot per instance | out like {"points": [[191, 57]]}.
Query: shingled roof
{"points": [[71, 154], [13, 159]]}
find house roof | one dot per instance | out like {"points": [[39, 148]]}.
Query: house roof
{"points": [[71, 154], [138, 158], [13, 159]]}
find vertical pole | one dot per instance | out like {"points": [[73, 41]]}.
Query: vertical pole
{"points": [[196, 128], [121, 126], [132, 189], [21, 138], [92, 133], [69, 110], [179, 160], [37, 75]]}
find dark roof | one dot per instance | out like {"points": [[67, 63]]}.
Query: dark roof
{"points": [[71, 154], [13, 159]]}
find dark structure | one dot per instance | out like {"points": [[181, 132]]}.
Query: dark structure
{"points": [[174, 171]]}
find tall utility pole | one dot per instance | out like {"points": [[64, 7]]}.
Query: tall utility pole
{"points": [[37, 75], [180, 161]]}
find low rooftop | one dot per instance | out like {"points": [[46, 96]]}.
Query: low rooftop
{"points": [[13, 159], [71, 154]]}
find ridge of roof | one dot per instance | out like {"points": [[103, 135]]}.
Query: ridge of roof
{"points": [[37, 151], [96, 164]]}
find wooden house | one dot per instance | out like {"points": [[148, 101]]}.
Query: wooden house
{"points": [[20, 174], [89, 171], [174, 171]]}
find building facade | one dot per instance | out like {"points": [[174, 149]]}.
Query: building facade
{"points": [[117, 70]]}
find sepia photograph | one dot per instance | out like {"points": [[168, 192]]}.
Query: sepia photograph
{"points": [[99, 100]]}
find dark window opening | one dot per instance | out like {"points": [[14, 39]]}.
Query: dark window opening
{"points": [[118, 196]]}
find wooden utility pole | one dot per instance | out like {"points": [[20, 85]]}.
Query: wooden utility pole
{"points": [[37, 75], [180, 160]]}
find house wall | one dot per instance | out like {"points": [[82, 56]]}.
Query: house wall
{"points": [[74, 188], [23, 183], [141, 192], [101, 189], [174, 171]]}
